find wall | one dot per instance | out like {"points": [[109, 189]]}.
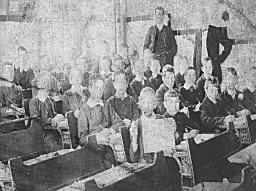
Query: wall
{"points": [[65, 30]]}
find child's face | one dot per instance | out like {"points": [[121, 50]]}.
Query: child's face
{"points": [[148, 104], [207, 68], [231, 80], [251, 81], [139, 69], [8, 72], [105, 66], [120, 84], [43, 94], [212, 91], [169, 79], [172, 105], [147, 58], [190, 76], [96, 90], [76, 78], [117, 66], [123, 52], [155, 67]]}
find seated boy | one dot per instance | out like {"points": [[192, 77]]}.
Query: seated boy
{"points": [[138, 83], [105, 72], [10, 95], [165, 173], [180, 66], [42, 107], [23, 74], [249, 94], [93, 121], [189, 95], [72, 101], [232, 98], [156, 79], [207, 74], [124, 105], [183, 123], [147, 58], [213, 114], [168, 77]]}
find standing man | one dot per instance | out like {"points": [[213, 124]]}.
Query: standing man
{"points": [[160, 39], [218, 36]]}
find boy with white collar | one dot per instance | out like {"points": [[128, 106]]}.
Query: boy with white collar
{"points": [[138, 83], [42, 107]]}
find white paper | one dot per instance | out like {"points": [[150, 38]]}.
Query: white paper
{"points": [[158, 135]]}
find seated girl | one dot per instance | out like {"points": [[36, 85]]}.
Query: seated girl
{"points": [[10, 95], [168, 77], [42, 108], [156, 79], [147, 58], [231, 96], [124, 105], [180, 66], [249, 93], [165, 173], [93, 121], [183, 123], [213, 113], [105, 71], [138, 83], [207, 74], [72, 101], [189, 95]]}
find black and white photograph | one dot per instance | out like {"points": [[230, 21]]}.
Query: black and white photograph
{"points": [[127, 95]]}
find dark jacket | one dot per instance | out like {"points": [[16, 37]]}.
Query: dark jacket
{"points": [[150, 39], [212, 115], [232, 105], [249, 101]]}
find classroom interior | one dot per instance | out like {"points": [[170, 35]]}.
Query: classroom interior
{"points": [[121, 95]]}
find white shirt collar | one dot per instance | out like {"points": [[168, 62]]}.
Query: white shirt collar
{"points": [[187, 86], [93, 103]]}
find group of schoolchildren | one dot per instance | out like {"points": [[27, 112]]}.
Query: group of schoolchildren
{"points": [[124, 93]]}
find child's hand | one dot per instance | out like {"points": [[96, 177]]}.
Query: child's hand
{"points": [[186, 111], [54, 122], [193, 133], [77, 113], [228, 119], [197, 108], [253, 117]]}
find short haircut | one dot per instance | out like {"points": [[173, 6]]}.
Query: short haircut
{"points": [[47, 81], [159, 8], [107, 58], [22, 48], [167, 68], [147, 91], [171, 94], [74, 72], [205, 60], [120, 73], [94, 78], [117, 57], [189, 68], [232, 71], [211, 81]]}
